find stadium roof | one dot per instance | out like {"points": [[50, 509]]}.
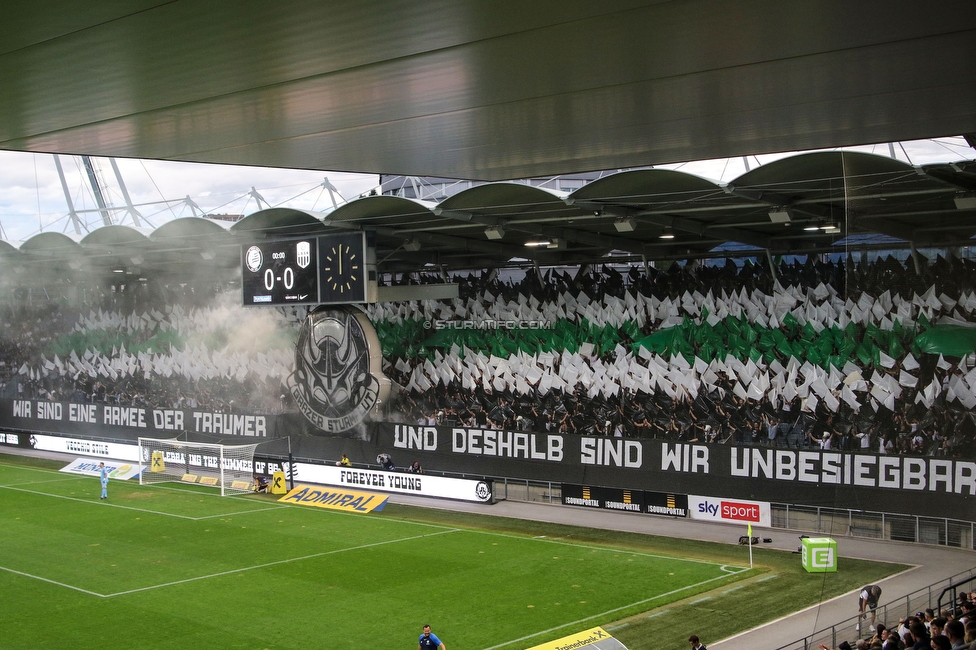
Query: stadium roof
{"points": [[808, 203], [480, 90]]}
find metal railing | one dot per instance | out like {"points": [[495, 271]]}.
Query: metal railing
{"points": [[836, 522], [888, 614], [876, 525], [953, 589]]}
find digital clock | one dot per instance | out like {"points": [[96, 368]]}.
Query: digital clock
{"points": [[280, 272]]}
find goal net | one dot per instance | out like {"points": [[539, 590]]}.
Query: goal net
{"points": [[228, 467]]}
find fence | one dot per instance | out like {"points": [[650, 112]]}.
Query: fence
{"points": [[889, 614], [876, 525], [828, 521]]}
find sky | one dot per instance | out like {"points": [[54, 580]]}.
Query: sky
{"points": [[32, 199]]}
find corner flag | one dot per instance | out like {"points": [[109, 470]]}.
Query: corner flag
{"points": [[749, 534]]}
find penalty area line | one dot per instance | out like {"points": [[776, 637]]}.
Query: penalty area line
{"points": [[275, 563], [29, 468], [145, 510], [53, 582], [53, 480], [98, 503]]}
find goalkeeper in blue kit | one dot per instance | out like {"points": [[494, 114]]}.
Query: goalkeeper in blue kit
{"points": [[103, 477]]}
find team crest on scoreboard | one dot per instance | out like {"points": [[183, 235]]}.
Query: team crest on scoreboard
{"points": [[338, 378], [303, 254]]}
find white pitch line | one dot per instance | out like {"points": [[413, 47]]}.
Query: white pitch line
{"points": [[606, 613], [53, 582], [271, 506], [541, 538], [54, 480], [275, 563], [99, 503], [27, 468], [233, 514], [145, 510], [193, 492], [730, 569]]}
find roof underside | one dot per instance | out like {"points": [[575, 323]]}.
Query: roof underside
{"points": [[784, 207], [486, 90]]}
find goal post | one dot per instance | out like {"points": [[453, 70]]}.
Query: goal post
{"points": [[228, 467]]}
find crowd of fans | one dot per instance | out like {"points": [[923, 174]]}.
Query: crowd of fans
{"points": [[709, 418], [32, 332], [716, 414], [952, 628]]}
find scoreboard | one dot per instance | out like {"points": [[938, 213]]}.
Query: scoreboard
{"points": [[329, 269], [282, 272]]}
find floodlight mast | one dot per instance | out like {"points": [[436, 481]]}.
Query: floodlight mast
{"points": [[96, 185], [72, 214], [136, 216]]}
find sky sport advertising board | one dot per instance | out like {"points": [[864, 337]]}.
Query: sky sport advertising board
{"points": [[729, 511]]}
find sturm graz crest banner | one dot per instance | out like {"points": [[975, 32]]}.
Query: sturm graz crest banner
{"points": [[338, 378]]}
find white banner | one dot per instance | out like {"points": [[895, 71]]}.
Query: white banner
{"points": [[399, 482], [105, 450], [730, 511], [116, 471]]}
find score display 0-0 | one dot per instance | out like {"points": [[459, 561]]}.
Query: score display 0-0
{"points": [[293, 271]]}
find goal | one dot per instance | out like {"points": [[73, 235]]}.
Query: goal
{"points": [[228, 467]]}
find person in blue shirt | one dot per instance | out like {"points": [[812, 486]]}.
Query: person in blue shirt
{"points": [[103, 475], [430, 640]]}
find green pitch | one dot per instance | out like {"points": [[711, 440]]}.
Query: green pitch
{"points": [[174, 566]]}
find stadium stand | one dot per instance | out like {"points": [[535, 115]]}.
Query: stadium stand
{"points": [[825, 355]]}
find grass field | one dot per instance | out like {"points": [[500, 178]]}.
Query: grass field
{"points": [[175, 566]]}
